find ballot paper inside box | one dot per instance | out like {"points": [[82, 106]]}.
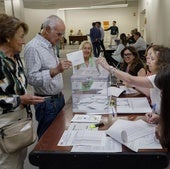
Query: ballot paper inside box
{"points": [[86, 86]]}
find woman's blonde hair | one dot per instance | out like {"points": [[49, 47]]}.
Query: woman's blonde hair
{"points": [[83, 44]]}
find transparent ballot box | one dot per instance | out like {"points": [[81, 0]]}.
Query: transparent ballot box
{"points": [[90, 91]]}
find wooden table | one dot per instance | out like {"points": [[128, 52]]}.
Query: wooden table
{"points": [[46, 152], [73, 39]]}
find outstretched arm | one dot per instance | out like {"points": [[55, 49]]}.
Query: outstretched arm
{"points": [[135, 81]]}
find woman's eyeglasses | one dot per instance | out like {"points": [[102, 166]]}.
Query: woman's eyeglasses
{"points": [[127, 54]]}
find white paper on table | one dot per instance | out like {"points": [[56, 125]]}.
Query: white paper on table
{"points": [[81, 126], [76, 57], [133, 105], [134, 134], [111, 145], [86, 118], [82, 137], [97, 106]]}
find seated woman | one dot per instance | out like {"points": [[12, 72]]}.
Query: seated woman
{"points": [[89, 60], [131, 62], [162, 81], [115, 59]]}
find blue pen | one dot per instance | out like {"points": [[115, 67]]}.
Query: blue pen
{"points": [[154, 107]]}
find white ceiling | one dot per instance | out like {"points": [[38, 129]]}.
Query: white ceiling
{"points": [[56, 4]]}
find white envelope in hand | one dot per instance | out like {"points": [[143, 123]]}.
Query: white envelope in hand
{"points": [[76, 57]]}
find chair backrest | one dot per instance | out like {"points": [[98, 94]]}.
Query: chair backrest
{"points": [[142, 55]]}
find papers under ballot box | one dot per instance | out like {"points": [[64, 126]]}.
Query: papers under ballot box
{"points": [[90, 91]]}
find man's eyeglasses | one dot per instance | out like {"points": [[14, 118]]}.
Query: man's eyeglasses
{"points": [[127, 54], [60, 34]]}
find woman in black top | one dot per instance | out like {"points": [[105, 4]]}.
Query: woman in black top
{"points": [[132, 64]]}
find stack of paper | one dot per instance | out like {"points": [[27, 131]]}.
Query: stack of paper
{"points": [[134, 134], [89, 141], [83, 138]]}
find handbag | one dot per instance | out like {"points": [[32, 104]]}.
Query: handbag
{"points": [[17, 135]]}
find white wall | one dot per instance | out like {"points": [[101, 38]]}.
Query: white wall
{"points": [[2, 7], [158, 22], [82, 19], [34, 19], [156, 28]]}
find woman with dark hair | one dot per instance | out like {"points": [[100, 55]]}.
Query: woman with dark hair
{"points": [[132, 64], [162, 81], [14, 99]]}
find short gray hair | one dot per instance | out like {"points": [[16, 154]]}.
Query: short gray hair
{"points": [[51, 21]]}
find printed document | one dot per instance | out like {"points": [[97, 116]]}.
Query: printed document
{"points": [[111, 145], [81, 126], [89, 141], [82, 137], [134, 134], [133, 105], [86, 118]]}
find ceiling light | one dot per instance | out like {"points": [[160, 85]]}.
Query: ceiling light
{"points": [[97, 7], [110, 6]]}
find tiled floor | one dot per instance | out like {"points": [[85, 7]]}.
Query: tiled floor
{"points": [[67, 93]]}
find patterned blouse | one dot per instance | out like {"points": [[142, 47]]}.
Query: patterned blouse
{"points": [[12, 83]]}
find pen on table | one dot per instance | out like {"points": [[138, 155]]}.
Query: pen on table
{"points": [[97, 125]]}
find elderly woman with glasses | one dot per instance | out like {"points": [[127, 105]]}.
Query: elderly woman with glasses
{"points": [[132, 64]]}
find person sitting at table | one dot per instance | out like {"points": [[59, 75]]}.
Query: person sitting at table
{"points": [[79, 33], [89, 59], [115, 59], [130, 38], [160, 57], [131, 62], [140, 43], [162, 81]]}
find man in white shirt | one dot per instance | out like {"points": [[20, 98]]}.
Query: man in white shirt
{"points": [[140, 43], [44, 71]]}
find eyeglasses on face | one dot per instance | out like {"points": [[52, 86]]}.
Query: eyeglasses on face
{"points": [[57, 33], [127, 54], [60, 34]]}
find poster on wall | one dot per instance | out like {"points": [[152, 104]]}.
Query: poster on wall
{"points": [[105, 24]]}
